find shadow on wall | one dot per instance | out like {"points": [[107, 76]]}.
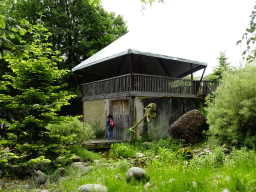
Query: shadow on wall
{"points": [[168, 110]]}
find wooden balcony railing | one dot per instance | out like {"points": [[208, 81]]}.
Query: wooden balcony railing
{"points": [[148, 83]]}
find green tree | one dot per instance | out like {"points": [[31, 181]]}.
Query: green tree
{"points": [[223, 65], [78, 31], [10, 36], [35, 79], [249, 38], [231, 112]]}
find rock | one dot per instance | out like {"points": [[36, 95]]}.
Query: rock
{"points": [[61, 171], [79, 165], [45, 190], [39, 177], [77, 159], [147, 185], [171, 180], [96, 162], [140, 155], [118, 177], [146, 145], [225, 190], [189, 127], [2, 184], [194, 184], [92, 187], [227, 178], [138, 174]]}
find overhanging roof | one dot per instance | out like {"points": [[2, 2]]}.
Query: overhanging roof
{"points": [[134, 43]]}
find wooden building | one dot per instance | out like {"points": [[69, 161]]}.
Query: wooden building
{"points": [[121, 79]]}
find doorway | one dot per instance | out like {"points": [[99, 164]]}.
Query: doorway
{"points": [[120, 112]]}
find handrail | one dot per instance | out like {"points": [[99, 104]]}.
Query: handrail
{"points": [[108, 79], [147, 83]]}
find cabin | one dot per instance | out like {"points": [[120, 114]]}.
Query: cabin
{"points": [[123, 78]]}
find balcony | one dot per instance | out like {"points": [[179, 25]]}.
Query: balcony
{"points": [[146, 85]]}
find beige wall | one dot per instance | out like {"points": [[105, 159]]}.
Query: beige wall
{"points": [[96, 110], [138, 104]]}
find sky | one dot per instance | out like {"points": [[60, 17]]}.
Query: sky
{"points": [[194, 29]]}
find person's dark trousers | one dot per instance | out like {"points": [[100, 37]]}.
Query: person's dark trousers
{"points": [[110, 133]]}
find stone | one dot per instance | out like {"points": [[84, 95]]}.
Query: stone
{"points": [[171, 180], [39, 177], [96, 162], [194, 184], [92, 187], [147, 185], [2, 184], [61, 171], [78, 164], [189, 127], [77, 159], [118, 177], [146, 145], [225, 190], [137, 173], [140, 155], [227, 178]]}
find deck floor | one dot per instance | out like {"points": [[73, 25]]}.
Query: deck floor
{"points": [[102, 141]]}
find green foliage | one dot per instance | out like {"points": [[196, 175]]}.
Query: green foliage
{"points": [[156, 132], [35, 96], [39, 163], [231, 114], [184, 154], [168, 143], [249, 38], [98, 131], [122, 150], [202, 109], [223, 66], [83, 30], [84, 153], [72, 128], [151, 1]]}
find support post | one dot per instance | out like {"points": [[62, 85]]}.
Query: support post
{"points": [[197, 89]]}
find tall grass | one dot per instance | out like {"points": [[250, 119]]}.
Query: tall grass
{"points": [[84, 153], [212, 172]]}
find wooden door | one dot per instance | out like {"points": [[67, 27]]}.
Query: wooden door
{"points": [[120, 112]]}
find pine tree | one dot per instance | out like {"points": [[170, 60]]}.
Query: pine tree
{"points": [[35, 80]]}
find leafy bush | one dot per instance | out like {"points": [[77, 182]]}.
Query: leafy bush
{"points": [[73, 127], [122, 150], [240, 157], [231, 112], [184, 154], [98, 131], [155, 133], [215, 159], [31, 94], [84, 153], [168, 143]]}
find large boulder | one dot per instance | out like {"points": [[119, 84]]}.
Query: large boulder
{"points": [[39, 177], [189, 127], [138, 174]]}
